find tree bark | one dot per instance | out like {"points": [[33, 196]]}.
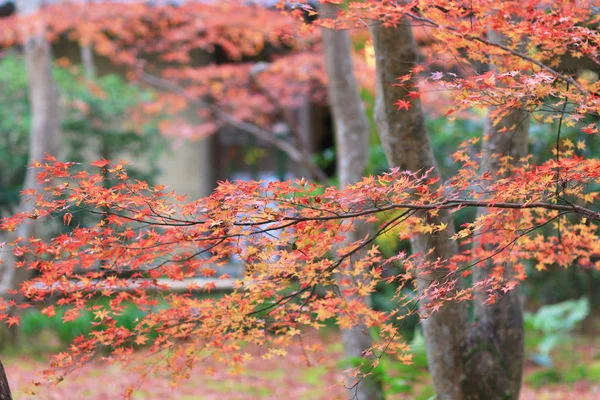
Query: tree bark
{"points": [[406, 145], [87, 56], [87, 60], [43, 97], [475, 361], [497, 335], [5, 393], [495, 362], [352, 146], [45, 120]]}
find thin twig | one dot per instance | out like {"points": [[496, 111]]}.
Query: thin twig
{"points": [[515, 53]]}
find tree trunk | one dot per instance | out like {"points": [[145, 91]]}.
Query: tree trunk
{"points": [[406, 145], [87, 55], [43, 97], [482, 360], [45, 120], [5, 393], [87, 60], [495, 362], [352, 144], [497, 334]]}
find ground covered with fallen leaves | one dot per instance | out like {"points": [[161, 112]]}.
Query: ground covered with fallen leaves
{"points": [[291, 377]]}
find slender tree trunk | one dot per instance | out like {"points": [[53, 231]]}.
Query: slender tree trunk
{"points": [[44, 138], [87, 60], [352, 144], [87, 57], [497, 335], [45, 122], [43, 97], [495, 362], [406, 144]]}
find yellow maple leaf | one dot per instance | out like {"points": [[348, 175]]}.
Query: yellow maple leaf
{"points": [[323, 314], [141, 339], [568, 143]]}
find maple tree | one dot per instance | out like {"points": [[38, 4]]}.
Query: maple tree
{"points": [[235, 65], [301, 269]]}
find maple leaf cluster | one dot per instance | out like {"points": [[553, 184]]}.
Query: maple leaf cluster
{"points": [[289, 236], [526, 42]]}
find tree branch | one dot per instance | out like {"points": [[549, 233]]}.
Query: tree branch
{"points": [[515, 53], [446, 205], [258, 132]]}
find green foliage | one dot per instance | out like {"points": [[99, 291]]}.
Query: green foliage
{"points": [[445, 138], [325, 159], [33, 323], [557, 284], [569, 374], [97, 116], [544, 377], [397, 377], [95, 122], [402, 378], [377, 161], [15, 120], [383, 300], [551, 325], [593, 371]]}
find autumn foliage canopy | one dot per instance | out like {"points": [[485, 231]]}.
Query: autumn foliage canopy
{"points": [[300, 272]]}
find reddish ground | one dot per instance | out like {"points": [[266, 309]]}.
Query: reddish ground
{"points": [[277, 378], [286, 378]]}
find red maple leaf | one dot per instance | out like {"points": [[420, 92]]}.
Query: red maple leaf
{"points": [[403, 104], [100, 163], [12, 321]]}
